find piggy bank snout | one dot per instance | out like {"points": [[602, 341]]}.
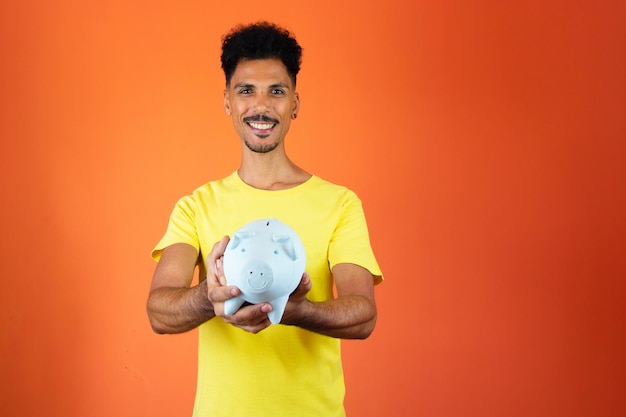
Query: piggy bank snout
{"points": [[258, 275]]}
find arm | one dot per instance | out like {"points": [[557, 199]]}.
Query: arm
{"points": [[173, 305], [176, 307], [352, 315]]}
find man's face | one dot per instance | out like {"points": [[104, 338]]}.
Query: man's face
{"points": [[261, 100]]}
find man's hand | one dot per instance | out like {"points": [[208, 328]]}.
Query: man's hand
{"points": [[217, 290], [296, 306], [251, 318]]}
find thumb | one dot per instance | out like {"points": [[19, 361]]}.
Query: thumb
{"points": [[305, 284]]}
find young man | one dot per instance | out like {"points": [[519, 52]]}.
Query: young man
{"points": [[247, 366]]}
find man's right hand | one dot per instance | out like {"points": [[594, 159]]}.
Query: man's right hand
{"points": [[250, 317]]}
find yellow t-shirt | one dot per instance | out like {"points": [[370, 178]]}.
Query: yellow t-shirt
{"points": [[283, 370]]}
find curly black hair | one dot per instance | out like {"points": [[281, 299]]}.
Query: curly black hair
{"points": [[261, 40]]}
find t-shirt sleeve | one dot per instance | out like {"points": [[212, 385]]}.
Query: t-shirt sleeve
{"points": [[350, 242], [181, 227]]}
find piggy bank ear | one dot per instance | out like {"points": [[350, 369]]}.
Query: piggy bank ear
{"points": [[239, 237], [286, 244]]}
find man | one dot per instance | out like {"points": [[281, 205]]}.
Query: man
{"points": [[247, 366]]}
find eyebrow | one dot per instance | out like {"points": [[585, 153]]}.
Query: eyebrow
{"points": [[244, 85], [248, 85]]}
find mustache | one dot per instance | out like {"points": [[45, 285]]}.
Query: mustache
{"points": [[260, 118]]}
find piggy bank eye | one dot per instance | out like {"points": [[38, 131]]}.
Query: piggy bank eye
{"points": [[275, 251]]}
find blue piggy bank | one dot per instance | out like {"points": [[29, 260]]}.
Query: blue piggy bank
{"points": [[265, 259]]}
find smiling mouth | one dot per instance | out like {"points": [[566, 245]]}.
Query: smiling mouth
{"points": [[261, 123], [261, 126]]}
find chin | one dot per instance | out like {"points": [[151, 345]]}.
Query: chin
{"points": [[261, 147]]}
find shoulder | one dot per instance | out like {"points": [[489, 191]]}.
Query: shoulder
{"points": [[211, 188], [204, 194], [341, 196], [322, 185]]}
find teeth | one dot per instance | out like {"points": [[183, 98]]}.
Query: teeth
{"points": [[262, 126]]}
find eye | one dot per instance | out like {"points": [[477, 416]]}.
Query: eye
{"points": [[277, 91], [245, 91]]}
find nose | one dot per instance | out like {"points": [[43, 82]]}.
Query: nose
{"points": [[262, 104]]}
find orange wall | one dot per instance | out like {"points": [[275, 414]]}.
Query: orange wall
{"points": [[486, 140]]}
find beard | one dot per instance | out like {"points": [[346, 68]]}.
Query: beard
{"points": [[262, 147]]}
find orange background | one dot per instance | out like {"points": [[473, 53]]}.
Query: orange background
{"points": [[485, 138]]}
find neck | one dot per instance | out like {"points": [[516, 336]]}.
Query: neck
{"points": [[271, 171]]}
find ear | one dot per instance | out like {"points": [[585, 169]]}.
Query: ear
{"points": [[296, 103], [227, 103]]}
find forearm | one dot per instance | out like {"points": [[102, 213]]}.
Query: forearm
{"points": [[177, 310], [348, 317]]}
